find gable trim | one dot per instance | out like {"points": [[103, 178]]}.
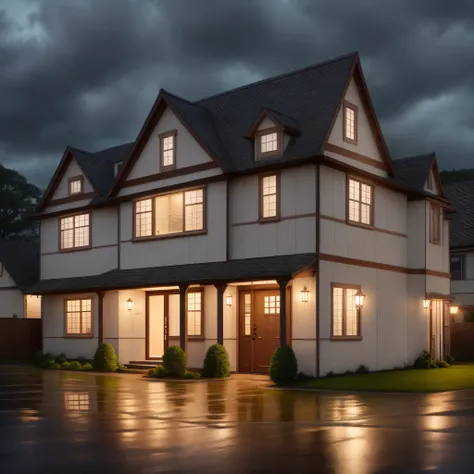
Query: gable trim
{"points": [[74, 198], [278, 125], [355, 156], [435, 171]]}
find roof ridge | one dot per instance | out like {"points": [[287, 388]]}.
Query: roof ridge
{"points": [[278, 76], [280, 113], [110, 148], [184, 100]]}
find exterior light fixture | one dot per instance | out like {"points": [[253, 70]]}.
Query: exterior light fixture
{"points": [[130, 304], [453, 309], [359, 299], [426, 303], [228, 300], [304, 295]]}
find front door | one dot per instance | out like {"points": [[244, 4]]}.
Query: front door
{"points": [[437, 329], [259, 327]]}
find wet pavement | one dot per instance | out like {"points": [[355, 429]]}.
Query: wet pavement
{"points": [[58, 422]]}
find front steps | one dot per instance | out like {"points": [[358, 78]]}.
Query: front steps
{"points": [[143, 364]]}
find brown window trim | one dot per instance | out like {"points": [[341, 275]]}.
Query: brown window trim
{"points": [[71, 180], [344, 337], [435, 239], [355, 108], [162, 136], [184, 233], [258, 144], [79, 336], [277, 217], [372, 205], [75, 249]]}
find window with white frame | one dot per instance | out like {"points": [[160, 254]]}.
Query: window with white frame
{"points": [[360, 202], [168, 150], [74, 232], [194, 313], [76, 185], [350, 122], [169, 214], [345, 314], [78, 317], [269, 143], [271, 304], [269, 199]]}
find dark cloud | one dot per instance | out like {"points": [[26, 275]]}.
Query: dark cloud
{"points": [[86, 73]]}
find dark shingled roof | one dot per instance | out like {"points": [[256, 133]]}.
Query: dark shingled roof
{"points": [[461, 195], [202, 273], [414, 170], [21, 259]]}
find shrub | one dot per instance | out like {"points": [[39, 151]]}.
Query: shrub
{"points": [[157, 372], [362, 369], [442, 364], [283, 366], [216, 363], [105, 358], [61, 358], [86, 366], [450, 360], [191, 375], [65, 365], [75, 365], [54, 366], [121, 369], [174, 361], [43, 360], [433, 365], [423, 361], [152, 372]]}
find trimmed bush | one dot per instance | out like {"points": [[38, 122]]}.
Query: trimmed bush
{"points": [[174, 361], [61, 358], [216, 363], [433, 365], [75, 365], [86, 366], [423, 361], [54, 366], [105, 358], [158, 372], [362, 369], [283, 366], [442, 364], [191, 375], [44, 360], [65, 365]]}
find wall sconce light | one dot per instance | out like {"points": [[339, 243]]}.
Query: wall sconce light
{"points": [[228, 300], [453, 309], [359, 299], [426, 303], [304, 295], [130, 304]]}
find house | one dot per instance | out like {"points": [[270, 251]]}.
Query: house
{"points": [[461, 195], [19, 271], [268, 214]]}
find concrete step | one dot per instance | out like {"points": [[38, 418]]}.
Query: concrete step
{"points": [[143, 364]]}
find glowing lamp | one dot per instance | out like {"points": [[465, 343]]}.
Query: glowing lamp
{"points": [[453, 309], [130, 304], [359, 299], [228, 300], [426, 303], [304, 295]]}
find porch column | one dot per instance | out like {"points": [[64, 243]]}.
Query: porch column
{"points": [[221, 287], [282, 282], [183, 320], [100, 315]]}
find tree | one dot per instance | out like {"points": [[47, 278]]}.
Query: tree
{"points": [[18, 200]]}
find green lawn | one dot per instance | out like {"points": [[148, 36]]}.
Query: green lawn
{"points": [[455, 377]]}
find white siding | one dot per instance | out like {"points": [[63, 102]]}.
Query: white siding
{"points": [[418, 234], [73, 170], [11, 303], [366, 141], [210, 247], [295, 233]]}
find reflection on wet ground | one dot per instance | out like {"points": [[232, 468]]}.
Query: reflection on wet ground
{"points": [[57, 422]]}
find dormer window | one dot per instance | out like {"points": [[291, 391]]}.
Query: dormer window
{"points": [[76, 185], [168, 150], [350, 123], [268, 143], [117, 167]]}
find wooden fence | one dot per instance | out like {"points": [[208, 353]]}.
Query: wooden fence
{"points": [[462, 341], [20, 339]]}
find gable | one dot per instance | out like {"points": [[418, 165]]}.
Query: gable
{"points": [[266, 123], [431, 184], [6, 281], [72, 170], [366, 153]]}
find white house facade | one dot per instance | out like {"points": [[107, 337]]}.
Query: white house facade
{"points": [[252, 220]]}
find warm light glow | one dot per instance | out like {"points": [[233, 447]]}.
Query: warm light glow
{"points": [[453, 309], [426, 303], [359, 299], [228, 300], [130, 304], [304, 295]]}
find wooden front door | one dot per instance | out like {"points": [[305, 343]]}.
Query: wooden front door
{"points": [[259, 329]]}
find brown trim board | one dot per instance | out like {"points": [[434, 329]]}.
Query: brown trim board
{"points": [[355, 156], [381, 266]]}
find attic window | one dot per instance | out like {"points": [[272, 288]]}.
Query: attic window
{"points": [[76, 185], [350, 122], [168, 150], [268, 143], [117, 167]]}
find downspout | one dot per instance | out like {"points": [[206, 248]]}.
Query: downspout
{"points": [[318, 279]]}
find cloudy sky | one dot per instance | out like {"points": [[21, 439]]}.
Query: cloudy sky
{"points": [[86, 72]]}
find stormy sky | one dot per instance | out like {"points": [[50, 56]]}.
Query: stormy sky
{"points": [[86, 72]]}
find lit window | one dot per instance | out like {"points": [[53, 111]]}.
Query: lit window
{"points": [[247, 314], [271, 304], [345, 315], [168, 214], [269, 196], [457, 267], [268, 143], [75, 185], [435, 224], [360, 202], [79, 317], [194, 310], [350, 122], [75, 231], [168, 150]]}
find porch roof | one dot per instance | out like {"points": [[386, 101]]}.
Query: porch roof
{"points": [[264, 268]]}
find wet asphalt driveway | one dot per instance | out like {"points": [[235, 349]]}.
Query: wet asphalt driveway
{"points": [[58, 422]]}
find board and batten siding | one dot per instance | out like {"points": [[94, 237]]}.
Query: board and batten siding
{"points": [[294, 233]]}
